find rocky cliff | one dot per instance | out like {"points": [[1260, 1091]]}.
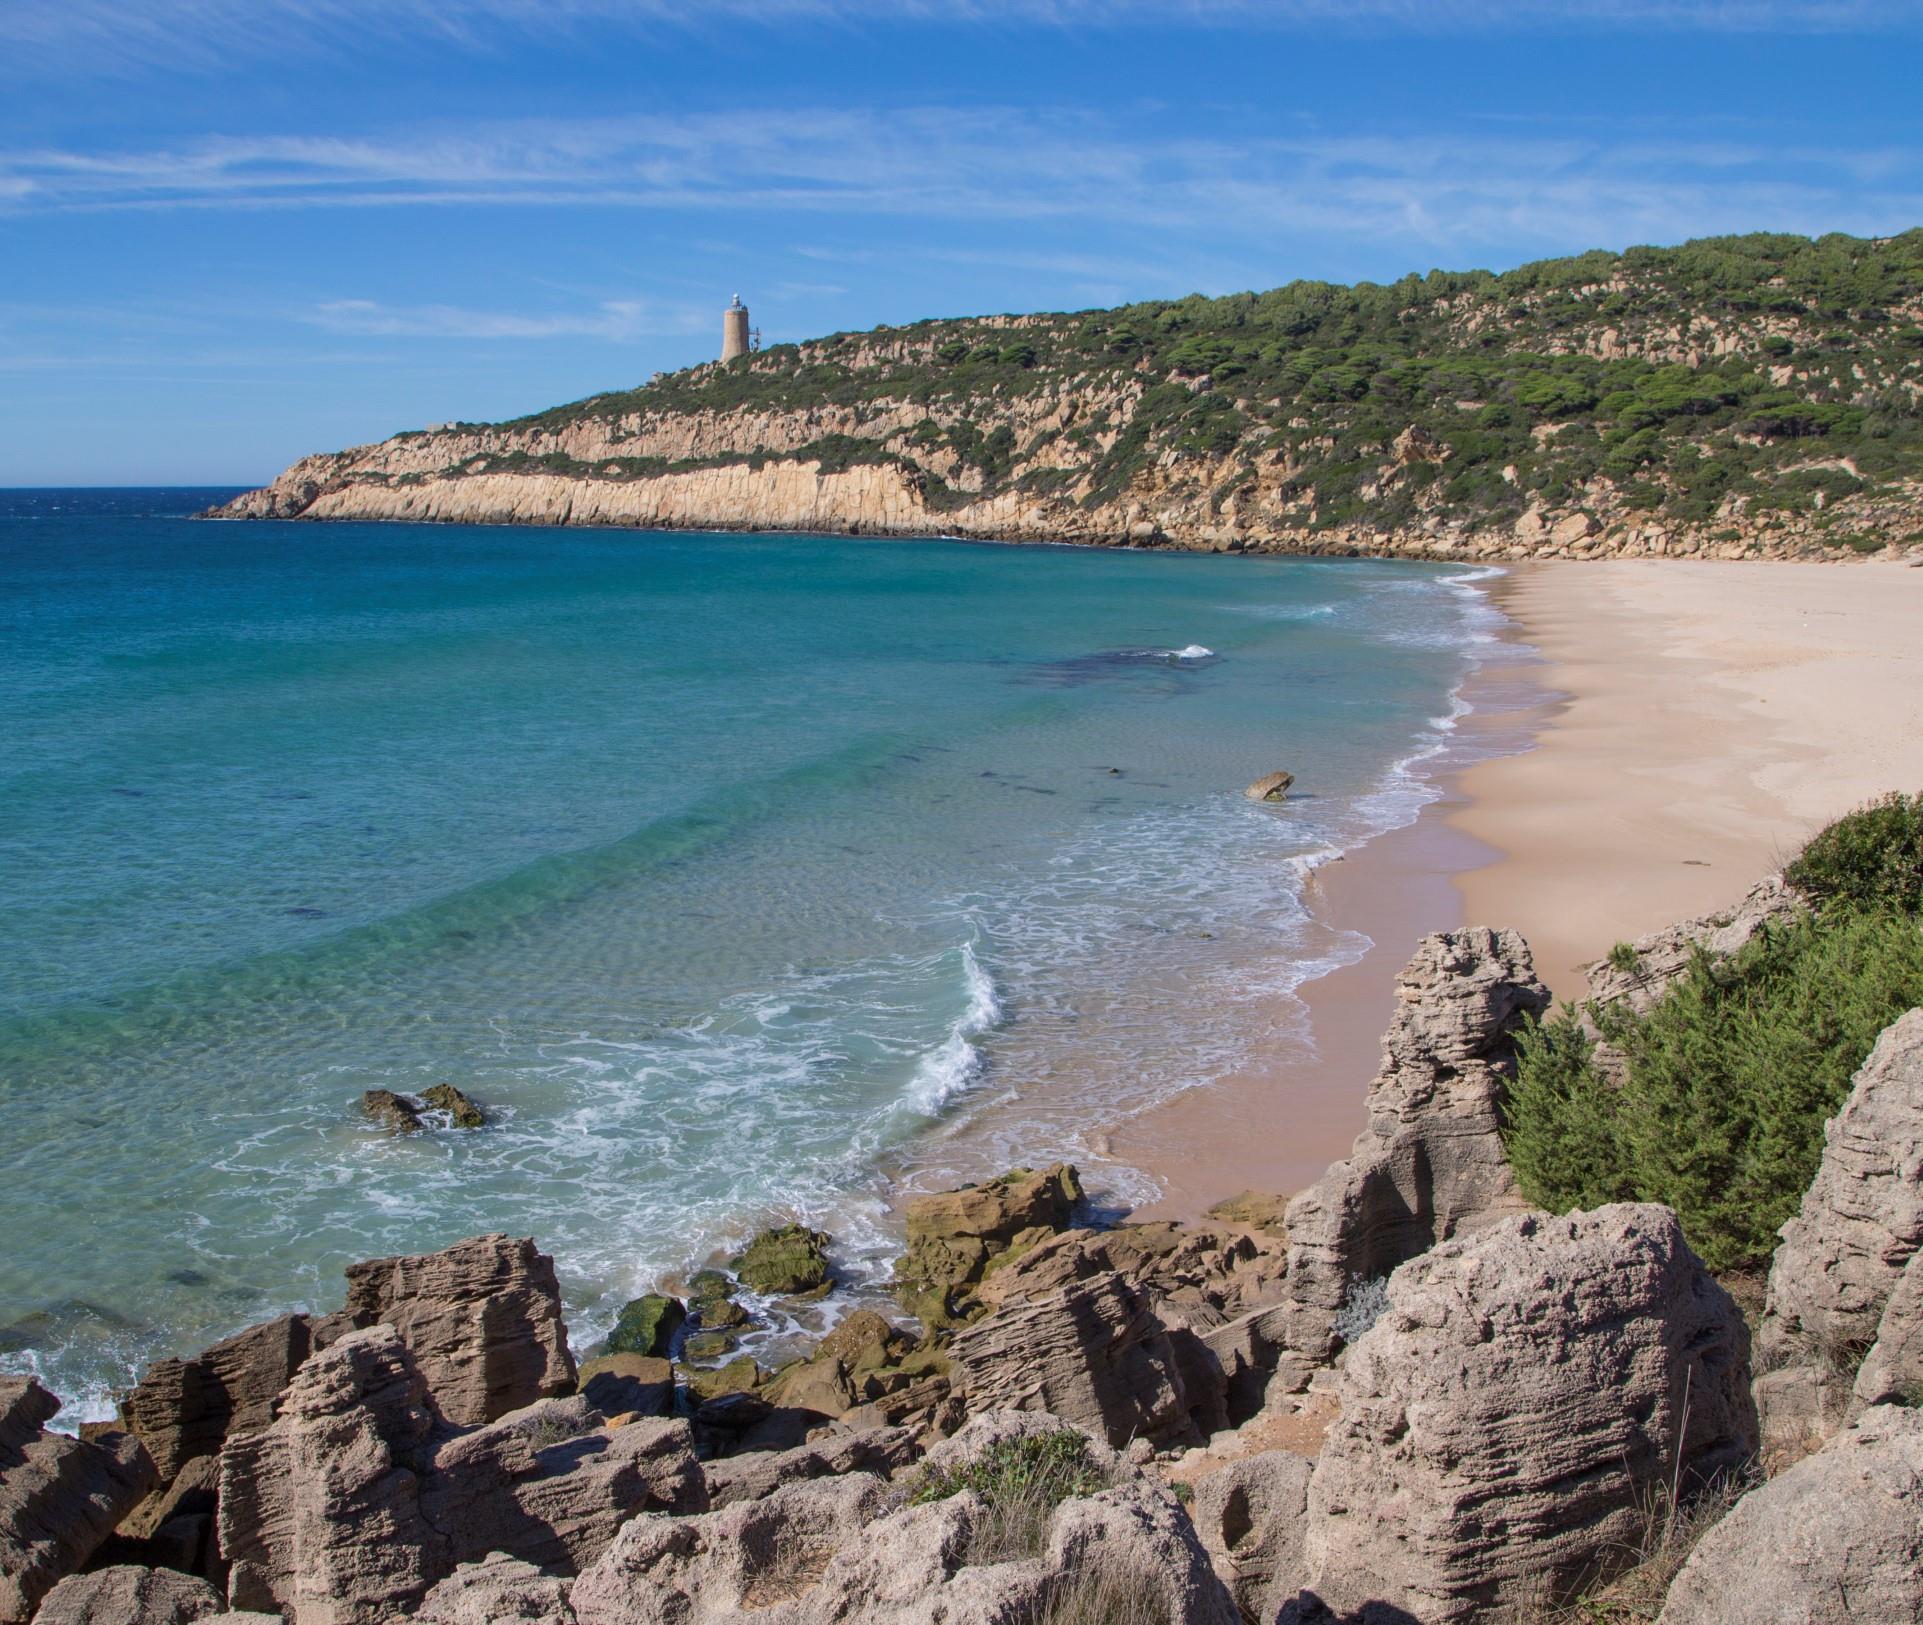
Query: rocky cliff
{"points": [[1756, 396]]}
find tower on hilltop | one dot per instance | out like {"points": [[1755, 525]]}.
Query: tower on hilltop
{"points": [[734, 330]]}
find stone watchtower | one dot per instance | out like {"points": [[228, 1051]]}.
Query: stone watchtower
{"points": [[734, 330]]}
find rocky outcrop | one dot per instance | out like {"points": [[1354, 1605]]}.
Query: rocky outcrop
{"points": [[483, 1319], [1835, 1540], [60, 1498], [1505, 1424], [956, 1237], [1892, 1371], [1431, 1163], [829, 1550], [757, 1473], [1251, 1517], [1091, 1353], [1639, 973], [183, 1409], [354, 1503], [1843, 1255], [128, 1595]]}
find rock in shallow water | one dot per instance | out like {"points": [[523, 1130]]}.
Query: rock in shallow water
{"points": [[786, 1261], [1270, 787]]}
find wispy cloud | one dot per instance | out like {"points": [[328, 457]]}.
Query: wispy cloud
{"points": [[614, 319], [1443, 192], [91, 37]]}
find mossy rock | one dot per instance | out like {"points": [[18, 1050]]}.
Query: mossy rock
{"points": [[787, 1261], [1258, 1210], [708, 1286], [956, 1238], [461, 1111], [647, 1325], [627, 1384], [739, 1376], [390, 1111], [718, 1314], [707, 1345]]}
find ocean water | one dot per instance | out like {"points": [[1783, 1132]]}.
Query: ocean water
{"points": [[740, 877]]}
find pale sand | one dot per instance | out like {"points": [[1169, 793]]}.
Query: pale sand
{"points": [[1713, 716], [1695, 723]]}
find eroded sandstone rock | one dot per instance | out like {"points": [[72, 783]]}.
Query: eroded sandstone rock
{"points": [[1505, 1424], [483, 1319], [1431, 1163], [1843, 1255], [1251, 1517], [130, 1595], [789, 1260], [1092, 1353], [182, 1409], [1270, 787], [1835, 1540], [496, 1591], [59, 1497], [955, 1236]]}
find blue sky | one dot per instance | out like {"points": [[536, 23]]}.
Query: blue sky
{"points": [[234, 231]]}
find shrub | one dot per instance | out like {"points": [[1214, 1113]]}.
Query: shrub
{"points": [[1021, 1483], [1363, 1307], [1730, 1076], [1871, 858]]}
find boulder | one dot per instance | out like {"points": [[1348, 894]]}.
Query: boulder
{"points": [[482, 1318], [739, 1376], [788, 1261], [1835, 1540], [627, 1384], [1270, 787], [1255, 1210], [395, 1113], [865, 1342], [647, 1325], [60, 1498], [183, 1409], [1250, 1518], [496, 1591], [708, 1345], [1842, 1256], [757, 1473], [1091, 1353], [1509, 1420], [549, 1485], [954, 1237], [1431, 1163], [130, 1595]]}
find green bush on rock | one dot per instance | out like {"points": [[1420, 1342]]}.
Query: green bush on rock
{"points": [[1728, 1078]]}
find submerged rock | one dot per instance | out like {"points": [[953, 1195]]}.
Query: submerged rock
{"points": [[647, 1326], [461, 1111], [395, 1113], [1270, 787], [789, 1260]]}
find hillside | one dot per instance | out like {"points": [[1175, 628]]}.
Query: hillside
{"points": [[1758, 394]]}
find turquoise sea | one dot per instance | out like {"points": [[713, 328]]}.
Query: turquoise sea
{"points": [[739, 877]]}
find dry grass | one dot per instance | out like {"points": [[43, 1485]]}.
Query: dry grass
{"points": [[1669, 1534], [1105, 1595]]}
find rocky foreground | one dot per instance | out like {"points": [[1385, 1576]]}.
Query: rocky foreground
{"points": [[1405, 1396]]}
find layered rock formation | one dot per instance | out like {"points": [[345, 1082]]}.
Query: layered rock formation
{"points": [[1836, 1278], [60, 1498], [1504, 1425], [1431, 1161]]}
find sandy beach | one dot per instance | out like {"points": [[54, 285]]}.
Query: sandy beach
{"points": [[1688, 726]]}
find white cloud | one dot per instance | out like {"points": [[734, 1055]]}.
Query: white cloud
{"points": [[1445, 193], [614, 319]]}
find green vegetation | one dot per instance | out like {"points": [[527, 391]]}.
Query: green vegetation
{"points": [[1778, 372], [1021, 1482], [1730, 1075]]}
